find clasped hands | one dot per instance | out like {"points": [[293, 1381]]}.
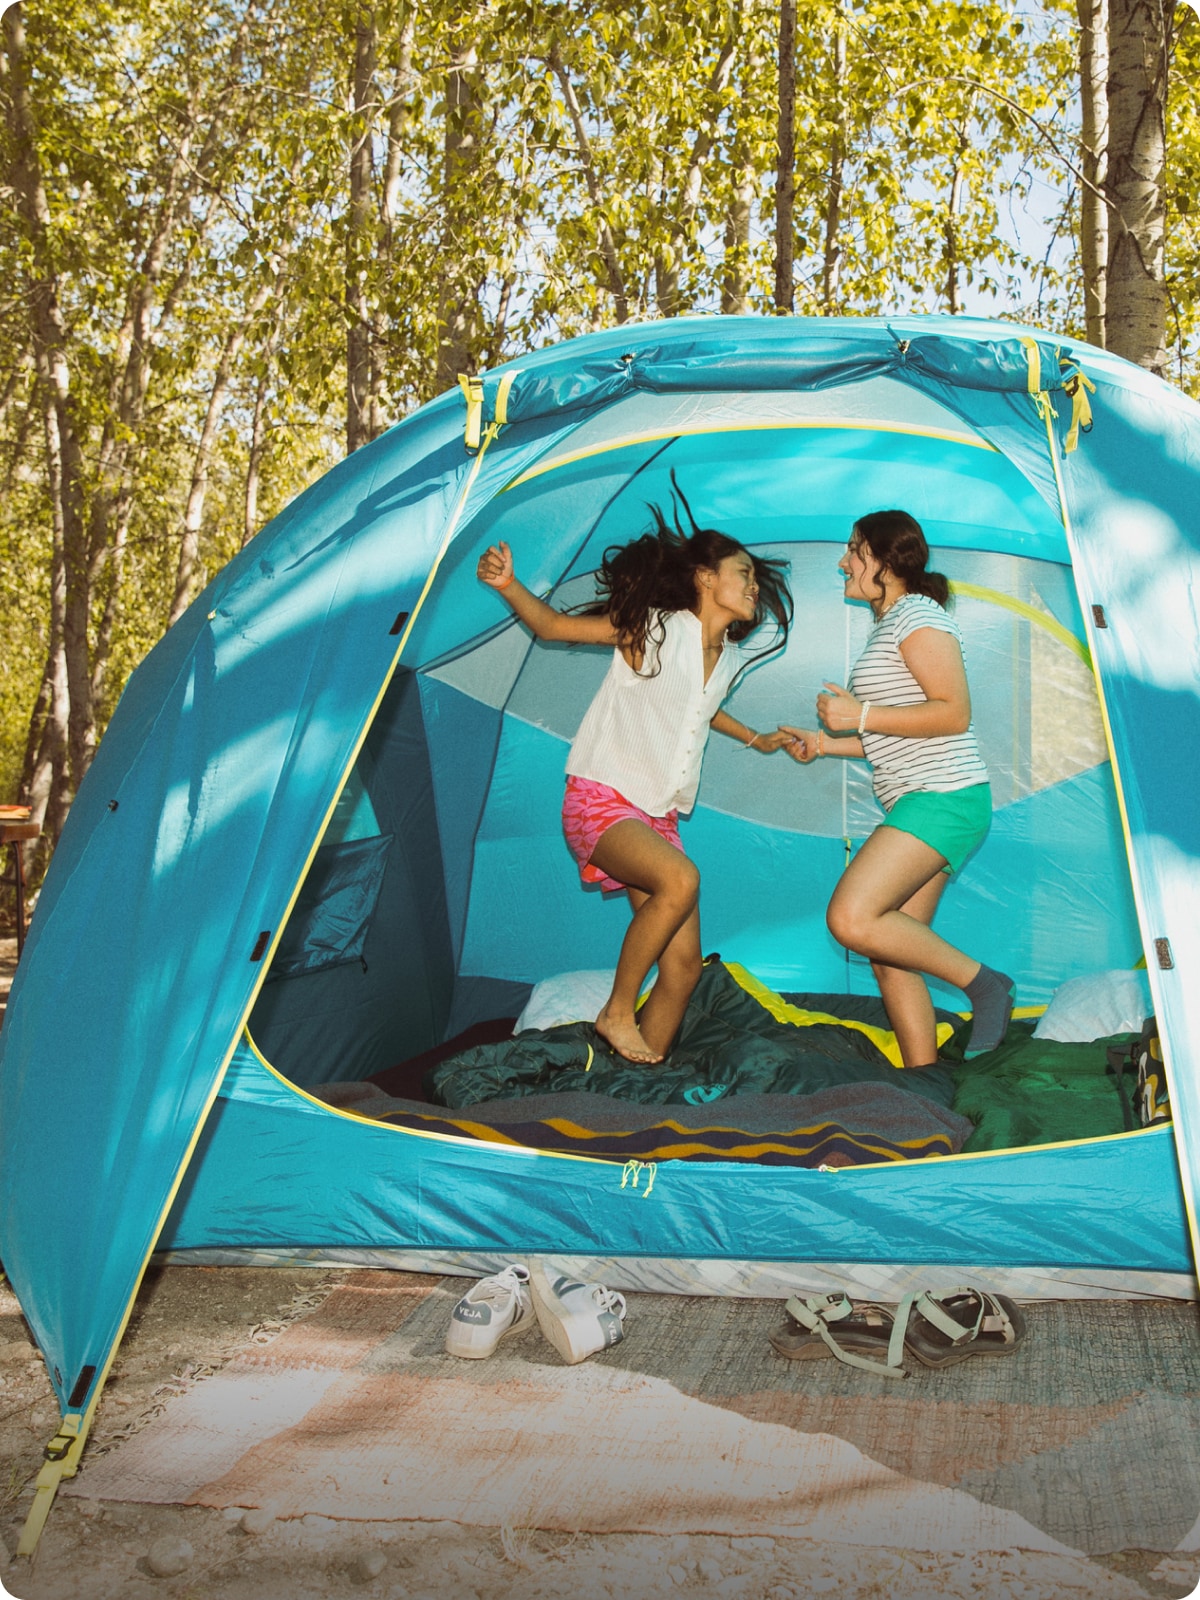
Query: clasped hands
{"points": [[838, 712]]}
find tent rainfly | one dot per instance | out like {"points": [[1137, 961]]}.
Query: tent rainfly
{"points": [[346, 711]]}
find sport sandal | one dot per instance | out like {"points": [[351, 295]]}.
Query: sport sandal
{"points": [[938, 1330], [829, 1324], [577, 1318], [489, 1311], [949, 1327]]}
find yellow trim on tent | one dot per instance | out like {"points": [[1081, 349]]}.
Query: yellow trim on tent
{"points": [[417, 1133], [975, 591], [831, 424], [1021, 1150], [845, 1173]]}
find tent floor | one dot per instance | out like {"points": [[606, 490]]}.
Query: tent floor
{"points": [[754, 1280]]}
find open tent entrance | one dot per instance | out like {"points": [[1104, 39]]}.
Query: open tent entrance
{"points": [[442, 889]]}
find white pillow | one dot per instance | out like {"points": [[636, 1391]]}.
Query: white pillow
{"points": [[1097, 1005], [567, 997]]}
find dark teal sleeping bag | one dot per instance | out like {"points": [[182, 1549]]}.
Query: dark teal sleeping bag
{"points": [[729, 1044]]}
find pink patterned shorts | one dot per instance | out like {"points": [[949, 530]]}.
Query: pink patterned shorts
{"points": [[590, 809]]}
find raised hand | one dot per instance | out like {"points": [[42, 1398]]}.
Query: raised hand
{"points": [[495, 566], [838, 709]]}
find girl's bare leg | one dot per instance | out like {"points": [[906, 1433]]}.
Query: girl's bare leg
{"points": [[679, 969], [867, 913], [632, 852], [906, 994]]}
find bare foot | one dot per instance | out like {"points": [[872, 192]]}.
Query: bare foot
{"points": [[623, 1033]]}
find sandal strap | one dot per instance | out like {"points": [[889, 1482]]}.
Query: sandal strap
{"points": [[817, 1311], [930, 1307]]}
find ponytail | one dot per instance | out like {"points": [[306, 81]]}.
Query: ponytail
{"points": [[897, 542]]}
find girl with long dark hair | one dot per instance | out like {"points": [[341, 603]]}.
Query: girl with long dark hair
{"points": [[675, 606], [908, 711]]}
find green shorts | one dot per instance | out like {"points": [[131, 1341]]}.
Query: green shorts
{"points": [[953, 824]]}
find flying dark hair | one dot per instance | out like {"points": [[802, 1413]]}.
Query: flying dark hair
{"points": [[897, 542], [657, 573]]}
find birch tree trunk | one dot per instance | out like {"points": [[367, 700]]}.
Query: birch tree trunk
{"points": [[56, 753], [608, 246], [735, 281], [831, 267], [1093, 152], [1136, 301], [457, 306], [45, 775], [688, 204], [358, 235], [785, 168], [952, 253], [399, 117], [193, 516], [735, 266]]}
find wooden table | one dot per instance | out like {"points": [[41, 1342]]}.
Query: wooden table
{"points": [[14, 835]]}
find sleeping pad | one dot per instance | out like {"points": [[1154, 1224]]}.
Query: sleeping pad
{"points": [[854, 1126]]}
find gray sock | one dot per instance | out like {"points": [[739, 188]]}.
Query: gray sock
{"points": [[991, 997]]}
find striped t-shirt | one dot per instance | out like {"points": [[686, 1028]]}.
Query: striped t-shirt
{"points": [[902, 764]]}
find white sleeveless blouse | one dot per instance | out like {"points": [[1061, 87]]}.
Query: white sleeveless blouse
{"points": [[644, 736]]}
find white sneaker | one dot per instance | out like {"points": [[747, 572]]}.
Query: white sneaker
{"points": [[577, 1318], [489, 1311]]}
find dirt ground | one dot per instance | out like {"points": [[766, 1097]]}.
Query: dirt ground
{"points": [[188, 1321]]}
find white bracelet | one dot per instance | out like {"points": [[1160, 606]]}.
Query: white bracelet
{"points": [[862, 717], [750, 741]]}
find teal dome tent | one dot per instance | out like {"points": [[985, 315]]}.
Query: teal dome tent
{"points": [[321, 834]]}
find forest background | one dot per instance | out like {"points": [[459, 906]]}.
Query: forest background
{"points": [[240, 238]]}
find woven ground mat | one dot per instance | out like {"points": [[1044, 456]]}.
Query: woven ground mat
{"points": [[1085, 1439]]}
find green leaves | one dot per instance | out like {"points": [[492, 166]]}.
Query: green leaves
{"points": [[614, 159]]}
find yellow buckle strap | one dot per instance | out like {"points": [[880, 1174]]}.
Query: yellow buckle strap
{"points": [[472, 389], [1077, 384], [62, 1461], [474, 434]]}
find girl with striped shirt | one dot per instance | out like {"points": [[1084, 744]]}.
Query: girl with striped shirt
{"points": [[908, 711], [674, 607]]}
